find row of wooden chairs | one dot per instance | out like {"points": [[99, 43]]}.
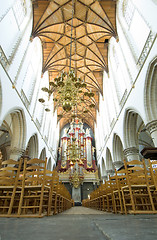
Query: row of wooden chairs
{"points": [[132, 189], [28, 189]]}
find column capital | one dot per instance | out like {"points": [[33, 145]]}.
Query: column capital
{"points": [[131, 151], [152, 126], [117, 164], [110, 171], [15, 152], [104, 177]]}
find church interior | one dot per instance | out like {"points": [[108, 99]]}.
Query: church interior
{"points": [[78, 116]]}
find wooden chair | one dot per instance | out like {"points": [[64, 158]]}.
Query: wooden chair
{"points": [[49, 181], [111, 197], [101, 197], [120, 177], [107, 197], [93, 199], [9, 192], [33, 188], [102, 193], [68, 201], [97, 199], [60, 198], [57, 199], [85, 203], [152, 173], [136, 194], [54, 195]]}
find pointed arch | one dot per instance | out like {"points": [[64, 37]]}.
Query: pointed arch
{"points": [[136, 135], [54, 166], [15, 125], [49, 164], [109, 162], [150, 96], [32, 146], [43, 154], [130, 129], [103, 168], [118, 155]]}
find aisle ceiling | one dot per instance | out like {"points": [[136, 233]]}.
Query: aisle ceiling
{"points": [[94, 23]]}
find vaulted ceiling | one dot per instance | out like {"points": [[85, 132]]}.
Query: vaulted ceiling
{"points": [[84, 47]]}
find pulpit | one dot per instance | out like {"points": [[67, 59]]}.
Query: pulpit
{"points": [[150, 153]]}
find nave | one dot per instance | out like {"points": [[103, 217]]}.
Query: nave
{"points": [[80, 223], [78, 83]]}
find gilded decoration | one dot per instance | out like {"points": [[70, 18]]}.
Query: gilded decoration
{"points": [[76, 162]]}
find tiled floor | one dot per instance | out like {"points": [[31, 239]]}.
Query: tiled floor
{"points": [[80, 223]]}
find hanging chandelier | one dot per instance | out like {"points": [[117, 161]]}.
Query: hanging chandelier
{"points": [[75, 154], [68, 90], [76, 175]]}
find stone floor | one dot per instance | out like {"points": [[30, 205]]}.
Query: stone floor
{"points": [[80, 223]]}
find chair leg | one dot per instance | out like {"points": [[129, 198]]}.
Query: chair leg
{"points": [[151, 199], [20, 203], [132, 200], [125, 210], [55, 205], [11, 202], [49, 203], [41, 201]]}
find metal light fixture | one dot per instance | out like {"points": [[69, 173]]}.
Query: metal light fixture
{"points": [[67, 89], [76, 175]]}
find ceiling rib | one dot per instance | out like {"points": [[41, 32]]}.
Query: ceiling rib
{"points": [[94, 23]]}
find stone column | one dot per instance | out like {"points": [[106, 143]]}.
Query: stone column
{"points": [[152, 128], [118, 164], [15, 153], [110, 172], [131, 153], [104, 178]]}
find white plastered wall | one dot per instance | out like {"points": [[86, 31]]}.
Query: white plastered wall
{"points": [[135, 75], [21, 81]]}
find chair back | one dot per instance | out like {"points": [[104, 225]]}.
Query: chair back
{"points": [[113, 183], [34, 171], [153, 172], [9, 172], [121, 179], [135, 172]]}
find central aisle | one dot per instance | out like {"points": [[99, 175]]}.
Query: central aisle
{"points": [[82, 211], [80, 223]]}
